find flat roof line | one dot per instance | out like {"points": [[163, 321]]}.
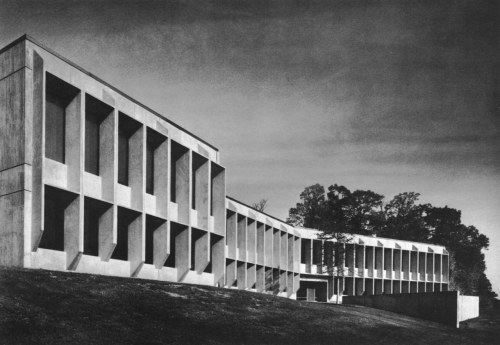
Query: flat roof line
{"points": [[253, 208], [41, 45]]}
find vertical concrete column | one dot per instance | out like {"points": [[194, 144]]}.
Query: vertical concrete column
{"points": [[276, 248], [218, 259], [231, 275], [161, 245], [162, 178], [31, 240], [251, 276], [137, 167], [202, 190], [242, 238], [296, 282], [183, 186], [260, 279], [283, 251], [201, 250], [218, 198], [252, 240], [291, 251], [183, 253], [73, 232], [74, 139], [289, 284], [108, 233], [231, 234], [137, 244], [260, 243], [282, 281], [297, 254], [268, 246], [108, 159], [242, 275]]}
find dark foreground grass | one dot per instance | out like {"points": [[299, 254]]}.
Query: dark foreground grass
{"points": [[46, 307]]}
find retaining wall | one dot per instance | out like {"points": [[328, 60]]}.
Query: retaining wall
{"points": [[445, 307]]}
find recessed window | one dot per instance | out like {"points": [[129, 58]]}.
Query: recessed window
{"points": [[126, 128], [58, 95], [95, 112], [154, 140]]}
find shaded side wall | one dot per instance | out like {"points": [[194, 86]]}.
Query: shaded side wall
{"points": [[444, 307]]}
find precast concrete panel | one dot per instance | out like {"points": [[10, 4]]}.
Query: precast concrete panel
{"points": [[283, 251], [260, 278], [276, 248], [290, 253], [200, 189], [297, 254], [218, 259], [251, 276], [252, 240], [231, 234], [260, 243], [137, 165], [242, 275], [218, 198], [268, 245], [242, 238]]}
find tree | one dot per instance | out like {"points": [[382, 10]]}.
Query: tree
{"points": [[340, 213], [260, 205]]}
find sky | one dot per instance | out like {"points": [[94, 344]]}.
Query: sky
{"points": [[390, 96]]}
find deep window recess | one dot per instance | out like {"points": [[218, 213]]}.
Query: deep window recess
{"points": [[93, 210], [154, 140], [58, 95], [125, 217], [126, 128], [177, 151], [95, 112], [56, 202]]}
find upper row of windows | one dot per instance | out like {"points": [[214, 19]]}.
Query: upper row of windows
{"points": [[59, 97]]}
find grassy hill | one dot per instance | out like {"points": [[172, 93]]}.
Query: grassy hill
{"points": [[47, 307]]}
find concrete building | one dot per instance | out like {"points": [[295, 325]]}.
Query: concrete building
{"points": [[93, 181], [371, 266]]}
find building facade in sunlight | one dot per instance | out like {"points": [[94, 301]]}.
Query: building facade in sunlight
{"points": [[93, 181]]}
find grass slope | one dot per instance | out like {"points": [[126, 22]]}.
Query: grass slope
{"points": [[47, 307]]}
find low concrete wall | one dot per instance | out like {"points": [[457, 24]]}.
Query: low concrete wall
{"points": [[445, 307], [468, 307]]}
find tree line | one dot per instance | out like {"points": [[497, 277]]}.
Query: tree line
{"points": [[339, 212]]}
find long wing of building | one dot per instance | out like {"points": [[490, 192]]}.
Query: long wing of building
{"points": [[93, 181]]}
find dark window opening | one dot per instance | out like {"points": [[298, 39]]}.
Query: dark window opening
{"points": [[195, 235], [125, 218], [197, 163], [214, 172], [152, 223], [95, 112], [126, 128], [175, 230], [56, 202], [154, 140], [58, 95], [93, 210], [177, 151]]}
